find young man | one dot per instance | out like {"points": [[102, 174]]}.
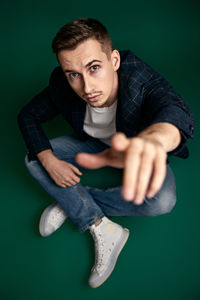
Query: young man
{"points": [[125, 115]]}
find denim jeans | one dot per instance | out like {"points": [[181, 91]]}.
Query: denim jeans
{"points": [[86, 205]]}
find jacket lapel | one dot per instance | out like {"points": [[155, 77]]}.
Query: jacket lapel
{"points": [[126, 108]]}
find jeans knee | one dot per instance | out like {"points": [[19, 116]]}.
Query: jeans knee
{"points": [[32, 165], [26, 161], [164, 202]]}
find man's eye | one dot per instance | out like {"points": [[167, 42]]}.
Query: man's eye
{"points": [[72, 75], [95, 68]]}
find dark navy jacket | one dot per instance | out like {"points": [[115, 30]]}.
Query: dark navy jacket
{"points": [[144, 97]]}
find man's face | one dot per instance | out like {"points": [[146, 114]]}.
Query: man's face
{"points": [[90, 73]]}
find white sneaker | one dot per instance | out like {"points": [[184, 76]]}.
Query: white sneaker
{"points": [[110, 239], [51, 219]]}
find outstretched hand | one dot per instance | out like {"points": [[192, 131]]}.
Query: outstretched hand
{"points": [[143, 160]]}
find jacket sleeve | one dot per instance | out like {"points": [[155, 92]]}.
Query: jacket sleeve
{"points": [[162, 104], [40, 109]]}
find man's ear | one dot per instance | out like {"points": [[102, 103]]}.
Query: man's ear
{"points": [[116, 59]]}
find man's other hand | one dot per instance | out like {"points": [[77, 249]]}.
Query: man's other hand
{"points": [[143, 160], [63, 173]]}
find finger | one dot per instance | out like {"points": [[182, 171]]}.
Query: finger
{"points": [[69, 184], [76, 170], [92, 161], [159, 173], [63, 185], [75, 178], [72, 182], [132, 162], [144, 174], [119, 142]]}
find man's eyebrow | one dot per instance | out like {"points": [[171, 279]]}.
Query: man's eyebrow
{"points": [[86, 66]]}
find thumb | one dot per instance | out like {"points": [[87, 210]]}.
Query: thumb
{"points": [[120, 142], [92, 161]]}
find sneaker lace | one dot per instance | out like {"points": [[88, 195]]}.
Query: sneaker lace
{"points": [[99, 249]]}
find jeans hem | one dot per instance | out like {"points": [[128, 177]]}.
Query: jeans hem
{"points": [[95, 219]]}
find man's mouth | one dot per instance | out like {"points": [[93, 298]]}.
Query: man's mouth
{"points": [[94, 98]]}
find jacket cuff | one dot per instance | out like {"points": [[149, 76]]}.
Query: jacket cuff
{"points": [[33, 155], [186, 131]]}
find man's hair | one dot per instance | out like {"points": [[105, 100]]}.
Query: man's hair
{"points": [[73, 33]]}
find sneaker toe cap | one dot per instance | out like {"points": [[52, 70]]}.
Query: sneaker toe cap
{"points": [[46, 230], [95, 280]]}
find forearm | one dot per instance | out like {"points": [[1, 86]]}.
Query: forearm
{"points": [[30, 118], [46, 157], [164, 133]]}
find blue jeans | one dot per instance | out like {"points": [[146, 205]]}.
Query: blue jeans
{"points": [[86, 205]]}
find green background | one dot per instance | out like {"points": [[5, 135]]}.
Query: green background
{"points": [[161, 258]]}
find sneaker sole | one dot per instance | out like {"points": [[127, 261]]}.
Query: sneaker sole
{"points": [[113, 260]]}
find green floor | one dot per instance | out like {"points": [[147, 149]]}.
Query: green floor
{"points": [[161, 258]]}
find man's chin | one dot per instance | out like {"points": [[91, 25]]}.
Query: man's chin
{"points": [[96, 104]]}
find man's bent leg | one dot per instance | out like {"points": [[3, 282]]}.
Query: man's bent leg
{"points": [[109, 237], [75, 200]]}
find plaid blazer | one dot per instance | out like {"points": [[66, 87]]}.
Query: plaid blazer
{"points": [[145, 97]]}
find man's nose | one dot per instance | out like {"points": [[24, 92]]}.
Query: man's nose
{"points": [[88, 86]]}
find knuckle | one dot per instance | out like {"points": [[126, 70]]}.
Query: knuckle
{"points": [[149, 148], [161, 152], [148, 156], [137, 143], [134, 151]]}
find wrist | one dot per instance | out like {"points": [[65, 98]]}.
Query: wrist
{"points": [[166, 134], [46, 157]]}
